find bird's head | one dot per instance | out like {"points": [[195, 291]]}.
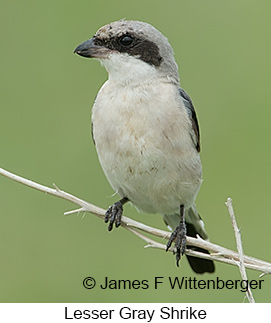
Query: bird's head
{"points": [[132, 51]]}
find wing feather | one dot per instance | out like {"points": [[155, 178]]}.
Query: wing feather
{"points": [[193, 117]]}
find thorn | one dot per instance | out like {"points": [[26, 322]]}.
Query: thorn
{"points": [[199, 237], [56, 187], [148, 246], [74, 211]]}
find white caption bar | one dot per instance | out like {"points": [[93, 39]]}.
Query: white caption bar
{"points": [[132, 312]]}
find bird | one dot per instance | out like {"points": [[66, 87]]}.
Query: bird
{"points": [[146, 132]]}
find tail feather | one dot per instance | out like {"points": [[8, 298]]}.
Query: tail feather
{"points": [[194, 226], [199, 265]]}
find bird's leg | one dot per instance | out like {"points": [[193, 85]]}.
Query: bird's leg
{"points": [[179, 235], [114, 213]]}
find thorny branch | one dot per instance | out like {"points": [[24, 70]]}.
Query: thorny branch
{"points": [[237, 234], [218, 253]]}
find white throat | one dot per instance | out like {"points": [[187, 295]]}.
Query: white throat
{"points": [[123, 68]]}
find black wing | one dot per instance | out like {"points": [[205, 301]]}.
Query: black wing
{"points": [[92, 136], [192, 114]]}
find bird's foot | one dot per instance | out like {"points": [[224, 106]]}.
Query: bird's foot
{"points": [[179, 236], [114, 214]]}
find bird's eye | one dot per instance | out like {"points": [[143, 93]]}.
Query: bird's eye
{"points": [[126, 40]]}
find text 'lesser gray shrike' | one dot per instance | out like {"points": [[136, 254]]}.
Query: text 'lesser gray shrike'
{"points": [[146, 131]]}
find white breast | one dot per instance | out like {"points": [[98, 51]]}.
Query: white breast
{"points": [[142, 137]]}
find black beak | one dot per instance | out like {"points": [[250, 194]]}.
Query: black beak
{"points": [[89, 49]]}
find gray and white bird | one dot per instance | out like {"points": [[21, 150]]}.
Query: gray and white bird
{"points": [[146, 131]]}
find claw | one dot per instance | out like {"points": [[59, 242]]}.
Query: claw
{"points": [[114, 214], [179, 236], [107, 214]]}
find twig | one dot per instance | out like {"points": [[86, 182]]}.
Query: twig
{"points": [[218, 253], [239, 249]]}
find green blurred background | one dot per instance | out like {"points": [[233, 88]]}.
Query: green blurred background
{"points": [[223, 51]]}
